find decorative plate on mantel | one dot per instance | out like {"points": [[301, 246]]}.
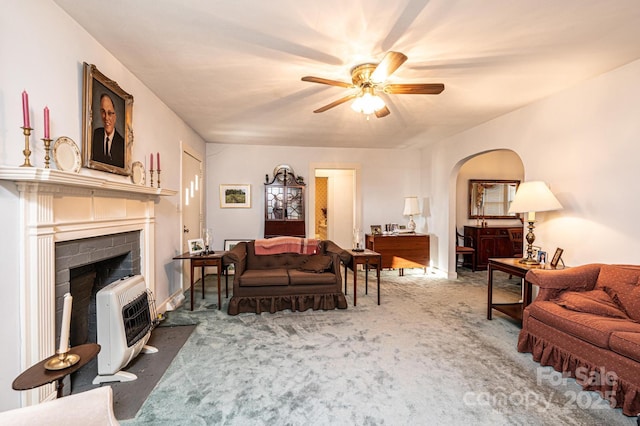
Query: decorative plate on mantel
{"points": [[66, 155], [137, 173]]}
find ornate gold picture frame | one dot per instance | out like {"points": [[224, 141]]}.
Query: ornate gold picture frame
{"points": [[107, 136]]}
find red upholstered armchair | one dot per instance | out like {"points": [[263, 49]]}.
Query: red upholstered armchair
{"points": [[585, 323]]}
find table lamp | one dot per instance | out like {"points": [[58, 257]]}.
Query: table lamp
{"points": [[411, 207], [532, 197]]}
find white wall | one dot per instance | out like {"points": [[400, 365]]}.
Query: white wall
{"points": [[42, 50], [584, 143], [387, 177]]}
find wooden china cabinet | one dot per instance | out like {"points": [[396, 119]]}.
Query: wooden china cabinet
{"points": [[284, 204]]}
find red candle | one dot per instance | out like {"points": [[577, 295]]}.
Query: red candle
{"points": [[158, 157], [151, 161], [46, 122], [25, 109]]}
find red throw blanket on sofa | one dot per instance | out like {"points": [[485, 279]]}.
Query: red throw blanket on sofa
{"points": [[279, 245]]}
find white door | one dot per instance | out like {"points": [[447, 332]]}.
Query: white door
{"points": [[192, 214]]}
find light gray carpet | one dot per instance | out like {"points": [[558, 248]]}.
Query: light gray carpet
{"points": [[427, 355]]}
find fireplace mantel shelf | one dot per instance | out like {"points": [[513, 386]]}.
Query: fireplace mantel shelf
{"points": [[57, 177]]}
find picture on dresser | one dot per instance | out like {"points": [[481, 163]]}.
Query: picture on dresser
{"points": [[376, 229]]}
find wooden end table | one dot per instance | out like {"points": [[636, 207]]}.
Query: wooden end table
{"points": [[513, 267], [202, 261], [366, 258], [37, 375]]}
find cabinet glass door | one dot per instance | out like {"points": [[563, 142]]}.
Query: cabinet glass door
{"points": [[275, 203], [294, 204]]}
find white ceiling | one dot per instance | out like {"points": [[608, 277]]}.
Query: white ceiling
{"points": [[231, 69]]}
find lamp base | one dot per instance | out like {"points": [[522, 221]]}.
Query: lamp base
{"points": [[529, 261], [411, 226]]}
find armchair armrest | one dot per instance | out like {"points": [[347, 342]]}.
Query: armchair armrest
{"points": [[552, 282]]}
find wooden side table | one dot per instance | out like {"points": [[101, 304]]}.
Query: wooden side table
{"points": [[366, 258], [202, 261], [37, 375], [513, 267]]}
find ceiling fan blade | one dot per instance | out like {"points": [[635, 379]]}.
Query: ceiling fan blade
{"points": [[383, 112], [388, 65], [327, 81], [336, 103], [414, 89]]}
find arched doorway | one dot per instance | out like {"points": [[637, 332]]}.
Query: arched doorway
{"points": [[502, 164]]}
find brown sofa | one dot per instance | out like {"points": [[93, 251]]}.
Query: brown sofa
{"points": [[295, 281], [585, 323]]}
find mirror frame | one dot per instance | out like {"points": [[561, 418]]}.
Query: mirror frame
{"points": [[473, 214]]}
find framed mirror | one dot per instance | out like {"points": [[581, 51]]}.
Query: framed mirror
{"points": [[490, 199]]}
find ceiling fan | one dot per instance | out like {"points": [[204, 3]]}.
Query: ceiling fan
{"points": [[369, 79]]}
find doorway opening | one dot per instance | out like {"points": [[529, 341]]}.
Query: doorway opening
{"points": [[337, 203]]}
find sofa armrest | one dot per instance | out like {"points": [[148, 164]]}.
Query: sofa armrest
{"points": [[331, 247], [552, 282], [92, 407], [238, 256]]}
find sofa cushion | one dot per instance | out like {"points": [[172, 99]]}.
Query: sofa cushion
{"points": [[264, 277], [317, 263], [297, 277], [596, 302], [592, 328], [627, 344], [621, 283]]}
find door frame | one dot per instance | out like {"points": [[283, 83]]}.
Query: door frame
{"points": [[311, 192], [187, 149]]}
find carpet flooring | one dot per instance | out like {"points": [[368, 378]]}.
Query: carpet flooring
{"points": [[427, 355]]}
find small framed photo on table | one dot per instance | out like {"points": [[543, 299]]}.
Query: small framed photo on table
{"points": [[542, 257], [196, 246], [556, 257]]}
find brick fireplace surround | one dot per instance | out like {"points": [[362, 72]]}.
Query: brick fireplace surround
{"points": [[57, 207]]}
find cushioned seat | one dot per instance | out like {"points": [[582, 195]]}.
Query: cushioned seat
{"points": [[594, 329], [263, 277], [626, 343]]}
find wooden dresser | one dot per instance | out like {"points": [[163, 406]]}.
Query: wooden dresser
{"points": [[490, 241], [401, 251]]}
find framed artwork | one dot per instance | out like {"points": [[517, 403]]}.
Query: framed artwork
{"points": [[556, 257], [196, 246], [235, 196], [228, 245], [107, 134], [376, 229]]}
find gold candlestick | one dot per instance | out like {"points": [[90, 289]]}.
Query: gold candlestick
{"points": [[62, 360], [47, 148], [27, 152], [158, 178], [151, 174]]}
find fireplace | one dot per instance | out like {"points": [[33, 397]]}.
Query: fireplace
{"points": [[57, 209], [83, 267]]}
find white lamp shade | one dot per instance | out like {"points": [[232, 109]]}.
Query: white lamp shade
{"points": [[534, 196], [411, 206]]}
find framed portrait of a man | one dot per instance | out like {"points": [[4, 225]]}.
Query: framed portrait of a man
{"points": [[107, 130]]}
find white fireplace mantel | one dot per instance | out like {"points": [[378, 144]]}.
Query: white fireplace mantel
{"points": [[62, 206], [57, 177]]}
